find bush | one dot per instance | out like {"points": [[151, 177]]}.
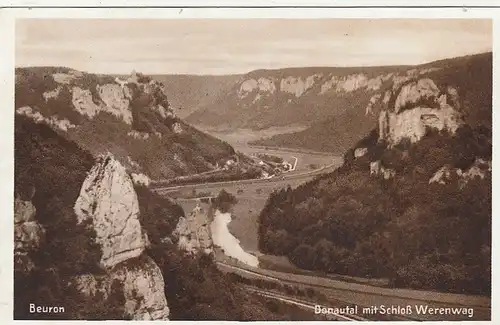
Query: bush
{"points": [[224, 201]]}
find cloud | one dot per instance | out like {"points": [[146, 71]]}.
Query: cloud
{"points": [[237, 46]]}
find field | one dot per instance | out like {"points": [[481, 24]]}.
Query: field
{"points": [[243, 136]]}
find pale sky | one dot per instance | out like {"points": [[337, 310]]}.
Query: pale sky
{"points": [[216, 46]]}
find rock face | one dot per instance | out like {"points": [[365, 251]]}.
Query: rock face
{"points": [[351, 83], [142, 283], [28, 234], [107, 197], [140, 179], [297, 85], [143, 289], [415, 107], [193, 232], [360, 152], [116, 100], [261, 85], [303, 97], [373, 100], [54, 121], [83, 102]]}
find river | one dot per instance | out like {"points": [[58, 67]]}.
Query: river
{"points": [[230, 244]]}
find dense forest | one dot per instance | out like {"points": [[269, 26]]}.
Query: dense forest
{"points": [[417, 234]]}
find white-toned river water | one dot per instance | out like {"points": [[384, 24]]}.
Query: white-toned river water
{"points": [[230, 244]]}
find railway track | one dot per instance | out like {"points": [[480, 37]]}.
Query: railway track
{"points": [[303, 304], [341, 302]]}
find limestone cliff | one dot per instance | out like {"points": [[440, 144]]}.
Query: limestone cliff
{"points": [[415, 107], [108, 198], [193, 232]]}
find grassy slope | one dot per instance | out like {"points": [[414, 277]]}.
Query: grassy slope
{"points": [[187, 93]]}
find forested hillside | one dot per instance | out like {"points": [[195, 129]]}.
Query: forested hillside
{"points": [[53, 248], [416, 210], [130, 118]]}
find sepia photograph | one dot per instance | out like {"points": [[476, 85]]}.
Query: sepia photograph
{"points": [[253, 169]]}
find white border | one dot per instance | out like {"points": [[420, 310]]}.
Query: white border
{"points": [[7, 19], [254, 3]]}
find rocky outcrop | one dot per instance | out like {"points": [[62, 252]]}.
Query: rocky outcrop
{"points": [[116, 101], [261, 85], [107, 197], [54, 121], [373, 100], [193, 232], [113, 97], [360, 152], [52, 94], [28, 235], [297, 85], [138, 135], [376, 169], [83, 102], [479, 170], [417, 106], [143, 287], [66, 78], [140, 179], [351, 83], [142, 284], [177, 128]]}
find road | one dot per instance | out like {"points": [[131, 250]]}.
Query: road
{"points": [[279, 181]]}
